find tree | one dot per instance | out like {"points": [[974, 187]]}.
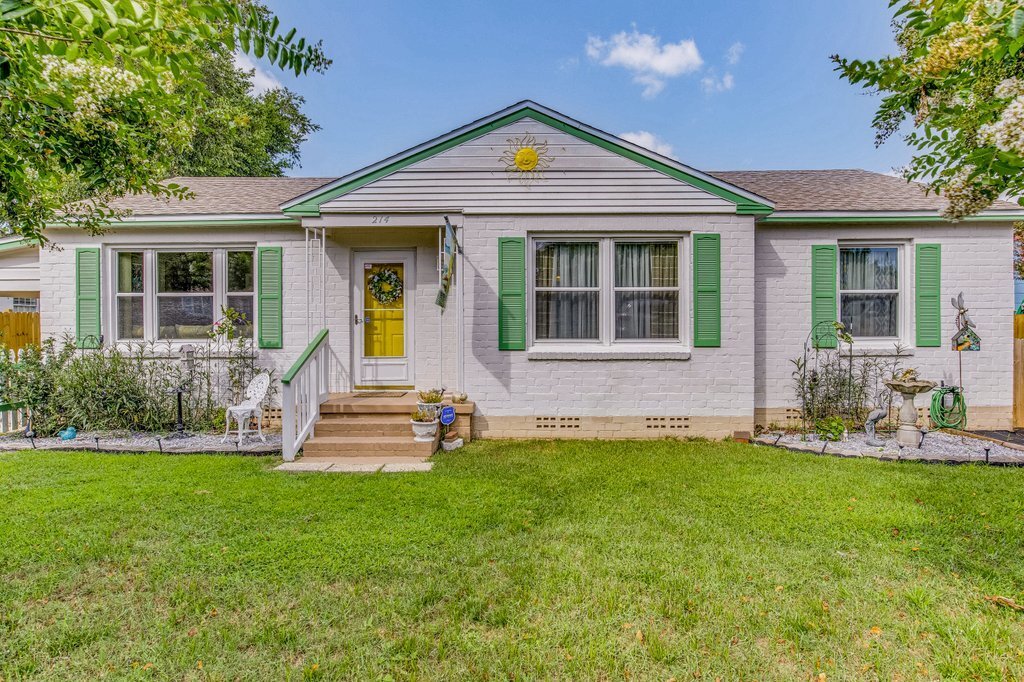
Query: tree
{"points": [[242, 133], [99, 98], [959, 77]]}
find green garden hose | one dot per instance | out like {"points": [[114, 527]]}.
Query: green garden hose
{"points": [[952, 417]]}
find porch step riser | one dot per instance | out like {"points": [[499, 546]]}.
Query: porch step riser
{"points": [[362, 429], [352, 411], [358, 447]]}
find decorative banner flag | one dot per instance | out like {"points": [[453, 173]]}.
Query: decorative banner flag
{"points": [[448, 248]]}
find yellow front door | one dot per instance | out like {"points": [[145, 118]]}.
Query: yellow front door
{"points": [[384, 311]]}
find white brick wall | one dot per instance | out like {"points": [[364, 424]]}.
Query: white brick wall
{"points": [[57, 285], [976, 259], [765, 317], [714, 381]]}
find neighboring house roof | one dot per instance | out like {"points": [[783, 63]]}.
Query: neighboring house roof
{"points": [[747, 202], [223, 196], [846, 190]]}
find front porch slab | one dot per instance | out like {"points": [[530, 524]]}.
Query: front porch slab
{"points": [[357, 465]]}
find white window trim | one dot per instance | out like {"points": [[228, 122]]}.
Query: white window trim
{"points": [[904, 295], [606, 343], [149, 295]]}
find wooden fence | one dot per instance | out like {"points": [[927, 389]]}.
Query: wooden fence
{"points": [[18, 330], [1018, 371]]}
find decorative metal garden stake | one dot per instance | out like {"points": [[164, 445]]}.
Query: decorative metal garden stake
{"points": [[188, 356], [987, 448], [965, 338]]}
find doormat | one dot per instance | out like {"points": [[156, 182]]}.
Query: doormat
{"points": [[380, 394]]}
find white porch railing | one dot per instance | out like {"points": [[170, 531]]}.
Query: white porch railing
{"points": [[306, 386]]}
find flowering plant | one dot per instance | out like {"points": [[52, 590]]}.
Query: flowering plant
{"points": [[957, 77]]}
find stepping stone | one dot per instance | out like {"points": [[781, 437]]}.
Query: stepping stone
{"points": [[407, 466], [303, 466], [352, 468]]}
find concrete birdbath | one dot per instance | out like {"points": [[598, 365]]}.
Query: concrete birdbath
{"points": [[907, 433]]}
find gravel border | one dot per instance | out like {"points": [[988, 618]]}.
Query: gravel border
{"points": [[937, 447], [200, 443]]}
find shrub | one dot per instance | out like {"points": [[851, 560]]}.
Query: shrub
{"points": [[129, 387], [830, 428], [830, 382], [423, 416]]}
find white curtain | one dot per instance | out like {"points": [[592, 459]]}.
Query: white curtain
{"points": [[641, 314], [865, 268], [569, 315]]}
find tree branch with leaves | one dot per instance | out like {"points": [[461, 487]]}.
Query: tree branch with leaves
{"points": [[101, 98], [959, 80]]}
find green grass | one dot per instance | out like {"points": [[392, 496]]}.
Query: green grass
{"points": [[511, 560]]}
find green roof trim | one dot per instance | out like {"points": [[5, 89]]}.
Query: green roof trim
{"points": [[888, 219], [18, 244], [310, 207]]}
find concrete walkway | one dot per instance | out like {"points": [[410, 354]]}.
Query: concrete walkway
{"points": [[357, 465]]}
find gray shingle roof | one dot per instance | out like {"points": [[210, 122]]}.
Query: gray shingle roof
{"points": [[224, 196], [791, 190], [838, 190]]}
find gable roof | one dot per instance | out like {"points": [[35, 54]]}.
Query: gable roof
{"points": [[222, 196], [746, 202], [843, 191]]}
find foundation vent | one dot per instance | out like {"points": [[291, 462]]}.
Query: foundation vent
{"points": [[667, 423], [556, 423]]}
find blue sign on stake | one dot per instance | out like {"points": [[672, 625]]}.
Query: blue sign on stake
{"points": [[447, 415]]}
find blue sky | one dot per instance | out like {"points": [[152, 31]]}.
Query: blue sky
{"points": [[725, 84]]}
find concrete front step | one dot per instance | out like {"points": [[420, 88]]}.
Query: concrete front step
{"points": [[361, 427], [363, 446]]}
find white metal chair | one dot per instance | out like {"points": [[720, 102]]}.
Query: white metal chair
{"points": [[251, 407]]}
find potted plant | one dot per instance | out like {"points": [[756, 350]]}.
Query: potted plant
{"points": [[430, 401], [424, 426]]}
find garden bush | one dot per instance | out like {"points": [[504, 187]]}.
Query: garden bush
{"points": [[129, 387]]}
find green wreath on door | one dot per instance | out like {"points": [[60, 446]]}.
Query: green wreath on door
{"points": [[386, 286]]}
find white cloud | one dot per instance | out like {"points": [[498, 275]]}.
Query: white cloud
{"points": [[711, 83], [648, 140], [735, 51], [261, 80], [643, 54]]}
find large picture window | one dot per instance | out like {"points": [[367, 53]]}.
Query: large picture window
{"points": [[171, 295], [869, 290], [607, 290]]}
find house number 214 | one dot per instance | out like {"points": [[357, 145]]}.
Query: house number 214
{"points": [[380, 219]]}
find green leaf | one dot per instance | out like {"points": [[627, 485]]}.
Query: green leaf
{"points": [[1016, 23], [84, 11], [258, 45], [109, 10]]}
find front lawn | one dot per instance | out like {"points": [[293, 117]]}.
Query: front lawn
{"points": [[511, 560]]}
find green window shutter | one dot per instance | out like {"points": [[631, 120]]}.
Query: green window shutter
{"points": [[707, 290], [269, 296], [927, 282], [511, 293], [87, 298], [823, 293]]}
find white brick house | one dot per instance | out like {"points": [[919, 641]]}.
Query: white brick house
{"points": [[600, 289]]}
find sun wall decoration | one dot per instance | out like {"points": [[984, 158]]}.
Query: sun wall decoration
{"points": [[526, 159]]}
